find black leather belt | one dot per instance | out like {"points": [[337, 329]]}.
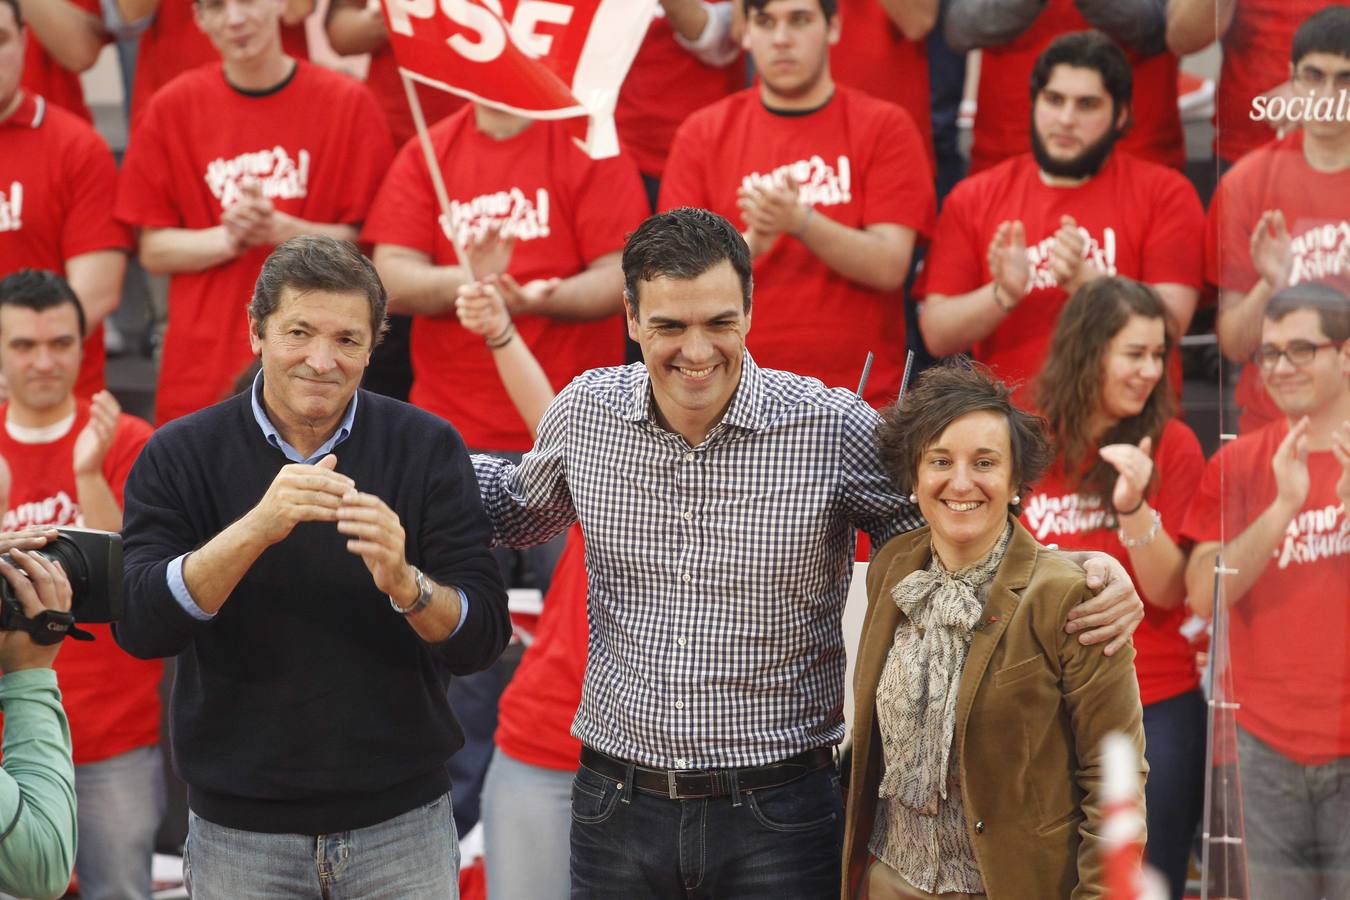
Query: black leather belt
{"points": [[697, 784]]}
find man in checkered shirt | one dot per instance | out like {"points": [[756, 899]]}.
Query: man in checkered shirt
{"points": [[720, 503]]}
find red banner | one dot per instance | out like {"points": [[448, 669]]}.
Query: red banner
{"points": [[544, 59]]}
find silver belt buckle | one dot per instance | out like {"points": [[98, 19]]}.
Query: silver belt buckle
{"points": [[671, 790]]}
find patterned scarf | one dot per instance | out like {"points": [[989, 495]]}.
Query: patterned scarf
{"points": [[916, 697]]}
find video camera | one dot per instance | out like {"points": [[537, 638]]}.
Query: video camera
{"points": [[92, 560]]}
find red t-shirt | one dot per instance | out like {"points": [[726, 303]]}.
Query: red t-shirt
{"points": [[873, 55], [111, 697], [173, 44], [534, 716], [43, 75], [1055, 514], [387, 85], [859, 161], [318, 145], [1143, 220], [1277, 176], [665, 84], [1255, 59], [1003, 111], [566, 211], [1289, 636], [57, 180]]}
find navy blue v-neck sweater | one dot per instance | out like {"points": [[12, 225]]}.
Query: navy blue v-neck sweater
{"points": [[307, 705]]}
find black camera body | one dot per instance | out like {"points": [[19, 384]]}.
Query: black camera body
{"points": [[92, 560]]}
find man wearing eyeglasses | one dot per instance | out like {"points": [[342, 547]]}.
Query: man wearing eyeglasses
{"points": [[1280, 216], [1274, 501]]}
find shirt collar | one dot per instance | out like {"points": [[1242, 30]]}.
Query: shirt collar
{"points": [[31, 112], [344, 429], [745, 411]]}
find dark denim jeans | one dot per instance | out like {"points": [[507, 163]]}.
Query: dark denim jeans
{"points": [[777, 844], [1174, 732]]}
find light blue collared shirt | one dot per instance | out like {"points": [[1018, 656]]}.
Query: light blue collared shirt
{"points": [[178, 587]]}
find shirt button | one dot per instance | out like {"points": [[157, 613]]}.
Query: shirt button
{"points": [[689, 457], [680, 642], [679, 704], [681, 763], [685, 578], [687, 515], [979, 827]]}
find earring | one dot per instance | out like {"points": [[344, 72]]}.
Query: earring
{"points": [[1017, 498], [913, 498]]}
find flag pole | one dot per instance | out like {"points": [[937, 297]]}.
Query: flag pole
{"points": [[434, 169]]}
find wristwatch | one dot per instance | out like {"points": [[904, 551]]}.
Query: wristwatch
{"points": [[423, 595]]}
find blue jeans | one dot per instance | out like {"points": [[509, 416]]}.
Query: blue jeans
{"points": [[526, 813], [775, 844], [1174, 732], [1297, 824], [414, 856], [120, 801]]}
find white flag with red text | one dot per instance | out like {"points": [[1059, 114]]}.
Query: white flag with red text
{"points": [[543, 59]]}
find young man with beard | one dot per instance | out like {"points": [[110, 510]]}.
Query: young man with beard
{"points": [[832, 188], [1280, 216], [1016, 240], [68, 459], [1275, 503], [57, 179], [228, 161]]}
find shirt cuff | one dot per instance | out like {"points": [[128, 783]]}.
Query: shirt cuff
{"points": [[463, 612], [178, 587]]}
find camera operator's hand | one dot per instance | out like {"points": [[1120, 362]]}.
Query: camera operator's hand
{"points": [[39, 584]]}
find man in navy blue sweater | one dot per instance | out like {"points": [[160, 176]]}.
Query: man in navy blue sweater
{"points": [[317, 559]]}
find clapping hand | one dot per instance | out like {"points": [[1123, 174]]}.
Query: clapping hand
{"points": [[1008, 263], [1290, 465], [1340, 448], [1135, 468], [1271, 249]]}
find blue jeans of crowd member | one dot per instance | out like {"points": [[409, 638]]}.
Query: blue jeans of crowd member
{"points": [[1174, 734], [1297, 824], [527, 811], [120, 801], [414, 856], [779, 843]]}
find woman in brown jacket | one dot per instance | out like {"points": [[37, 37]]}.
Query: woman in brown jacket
{"points": [[978, 720]]}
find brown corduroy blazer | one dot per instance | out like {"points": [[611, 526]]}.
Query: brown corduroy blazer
{"points": [[1032, 708]]}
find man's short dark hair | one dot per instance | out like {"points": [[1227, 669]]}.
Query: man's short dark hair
{"points": [[14, 7], [943, 394], [1087, 50], [313, 262], [1325, 31], [40, 290], [1332, 307], [684, 243], [828, 7]]}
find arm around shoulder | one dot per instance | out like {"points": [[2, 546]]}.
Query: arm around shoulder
{"points": [[1101, 695]]}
